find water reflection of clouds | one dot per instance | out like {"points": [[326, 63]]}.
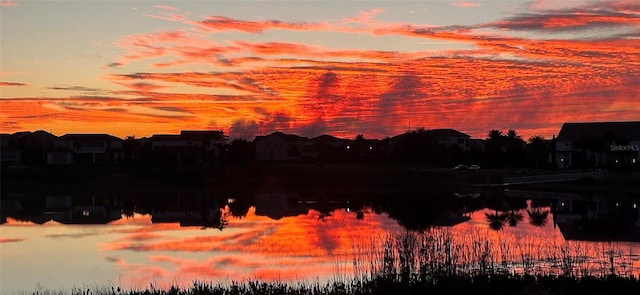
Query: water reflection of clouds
{"points": [[11, 240], [72, 235], [254, 247]]}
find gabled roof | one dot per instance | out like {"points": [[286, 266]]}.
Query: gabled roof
{"points": [[78, 136], [446, 133], [289, 137], [157, 137], [624, 130], [201, 134], [329, 139]]}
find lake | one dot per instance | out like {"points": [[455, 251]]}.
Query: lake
{"points": [[64, 241]]}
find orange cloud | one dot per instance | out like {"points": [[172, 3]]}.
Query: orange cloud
{"points": [[465, 4]]}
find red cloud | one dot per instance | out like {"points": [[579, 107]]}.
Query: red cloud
{"points": [[221, 23]]}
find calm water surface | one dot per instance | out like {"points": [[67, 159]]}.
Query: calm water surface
{"points": [[292, 238]]}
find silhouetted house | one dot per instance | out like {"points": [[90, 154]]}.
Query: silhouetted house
{"points": [[451, 137], [26, 147], [188, 147], [278, 146], [599, 144], [10, 154], [326, 148], [85, 149]]}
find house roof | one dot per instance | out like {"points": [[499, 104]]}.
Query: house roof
{"points": [[329, 140], [157, 137], [88, 137], [625, 130], [200, 134], [446, 133], [290, 137]]}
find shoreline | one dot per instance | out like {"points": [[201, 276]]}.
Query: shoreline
{"points": [[355, 178]]}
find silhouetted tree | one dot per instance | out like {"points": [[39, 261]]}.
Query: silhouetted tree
{"points": [[494, 146], [514, 146], [537, 149]]}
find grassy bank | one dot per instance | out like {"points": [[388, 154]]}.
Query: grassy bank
{"points": [[478, 285]]}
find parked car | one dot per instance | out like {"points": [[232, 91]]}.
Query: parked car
{"points": [[460, 167], [474, 168]]}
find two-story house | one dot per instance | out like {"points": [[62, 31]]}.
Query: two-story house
{"points": [[188, 147], [85, 149], [599, 145], [279, 146]]}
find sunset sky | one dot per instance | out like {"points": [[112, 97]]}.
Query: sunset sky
{"points": [[376, 68]]}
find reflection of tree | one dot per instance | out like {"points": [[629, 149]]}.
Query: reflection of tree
{"points": [[538, 216], [224, 219], [496, 220], [239, 207], [514, 217]]}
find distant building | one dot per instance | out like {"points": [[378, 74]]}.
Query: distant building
{"points": [[451, 137], [85, 149], [26, 147], [188, 147], [279, 146], [613, 145], [10, 154]]}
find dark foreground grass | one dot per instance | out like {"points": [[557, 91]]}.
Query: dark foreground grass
{"points": [[480, 284]]}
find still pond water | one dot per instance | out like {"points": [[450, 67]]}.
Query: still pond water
{"points": [[61, 242]]}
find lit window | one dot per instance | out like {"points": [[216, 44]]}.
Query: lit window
{"points": [[85, 213]]}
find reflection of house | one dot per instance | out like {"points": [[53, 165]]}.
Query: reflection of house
{"points": [[278, 205], [86, 149], [204, 218], [599, 144], [188, 147], [61, 209], [187, 209], [278, 146], [616, 219]]}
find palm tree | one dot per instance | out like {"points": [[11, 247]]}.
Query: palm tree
{"points": [[496, 220], [512, 135], [495, 134], [495, 146], [538, 216]]}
